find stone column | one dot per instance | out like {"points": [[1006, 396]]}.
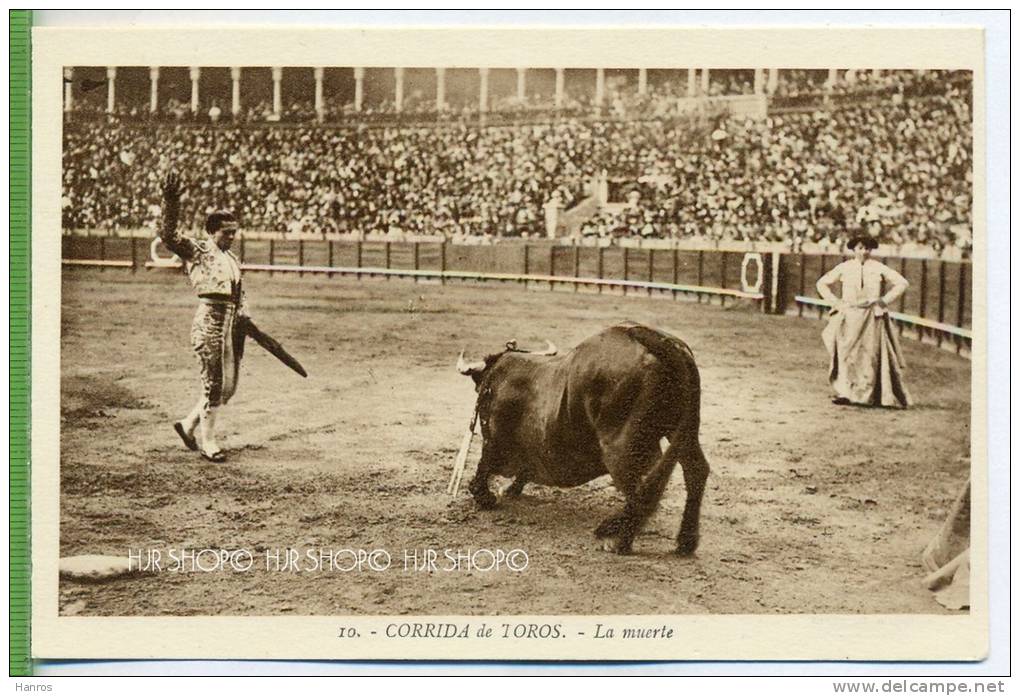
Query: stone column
{"points": [[552, 209], [603, 188], [773, 82], [440, 89], [483, 89], [642, 80], [359, 88], [705, 80], [600, 86], [831, 80], [759, 81], [278, 91], [692, 83], [111, 89], [320, 109], [398, 90], [195, 74], [235, 91], [153, 89], [560, 86], [521, 86], [68, 89]]}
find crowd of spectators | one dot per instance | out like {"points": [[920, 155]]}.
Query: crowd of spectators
{"points": [[806, 86], [900, 170], [431, 180], [901, 173]]}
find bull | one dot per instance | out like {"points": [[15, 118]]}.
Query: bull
{"points": [[604, 407]]}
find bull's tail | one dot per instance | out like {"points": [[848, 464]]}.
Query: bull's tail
{"points": [[641, 502], [684, 447], [644, 500]]}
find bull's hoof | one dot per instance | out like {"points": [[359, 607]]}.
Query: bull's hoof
{"points": [[686, 545], [486, 500], [510, 490]]}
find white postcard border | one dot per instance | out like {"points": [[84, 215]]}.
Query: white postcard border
{"points": [[757, 637]]}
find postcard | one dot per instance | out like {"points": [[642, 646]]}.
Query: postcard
{"points": [[509, 344]]}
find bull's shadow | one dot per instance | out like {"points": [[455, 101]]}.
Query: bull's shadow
{"points": [[568, 515]]}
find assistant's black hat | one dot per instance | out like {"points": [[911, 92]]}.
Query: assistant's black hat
{"points": [[866, 240]]}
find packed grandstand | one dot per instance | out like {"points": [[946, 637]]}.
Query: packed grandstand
{"points": [[884, 152]]}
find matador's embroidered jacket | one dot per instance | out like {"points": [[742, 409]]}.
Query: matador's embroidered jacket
{"points": [[212, 271]]}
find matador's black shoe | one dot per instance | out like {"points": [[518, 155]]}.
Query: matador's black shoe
{"points": [[189, 440], [217, 456]]}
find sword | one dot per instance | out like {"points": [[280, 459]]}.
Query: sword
{"points": [[271, 344], [461, 462]]}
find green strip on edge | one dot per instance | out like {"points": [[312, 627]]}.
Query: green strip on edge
{"points": [[20, 328]]}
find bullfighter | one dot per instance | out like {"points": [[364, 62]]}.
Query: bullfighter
{"points": [[216, 335]]}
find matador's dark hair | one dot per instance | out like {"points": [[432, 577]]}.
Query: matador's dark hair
{"points": [[218, 220], [865, 240]]}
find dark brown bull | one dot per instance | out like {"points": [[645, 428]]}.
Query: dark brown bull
{"points": [[563, 420]]}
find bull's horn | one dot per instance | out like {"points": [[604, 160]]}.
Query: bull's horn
{"points": [[550, 349], [466, 368]]}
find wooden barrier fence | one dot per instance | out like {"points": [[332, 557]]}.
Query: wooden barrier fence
{"points": [[938, 306]]}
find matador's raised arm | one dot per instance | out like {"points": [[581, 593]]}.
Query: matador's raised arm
{"points": [[172, 239]]}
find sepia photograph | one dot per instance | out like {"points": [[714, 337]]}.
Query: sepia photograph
{"points": [[574, 347]]}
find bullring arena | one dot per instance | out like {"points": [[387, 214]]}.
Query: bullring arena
{"points": [[809, 508]]}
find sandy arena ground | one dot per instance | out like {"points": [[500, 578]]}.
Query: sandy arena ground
{"points": [[810, 508]]}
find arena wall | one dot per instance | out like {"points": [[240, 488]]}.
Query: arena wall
{"points": [[938, 307]]}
